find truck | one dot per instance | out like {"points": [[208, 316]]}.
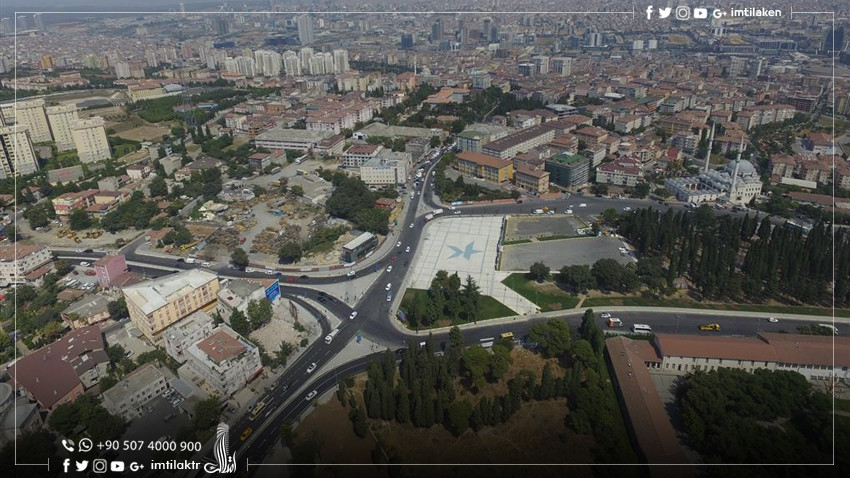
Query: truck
{"points": [[614, 322], [428, 217], [538, 211], [329, 338], [437, 212], [275, 184], [190, 260]]}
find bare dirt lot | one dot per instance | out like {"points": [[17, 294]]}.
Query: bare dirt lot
{"points": [[144, 133], [528, 227], [535, 434]]}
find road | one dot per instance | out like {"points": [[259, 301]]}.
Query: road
{"points": [[375, 317]]}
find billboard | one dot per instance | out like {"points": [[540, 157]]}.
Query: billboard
{"points": [[273, 291]]}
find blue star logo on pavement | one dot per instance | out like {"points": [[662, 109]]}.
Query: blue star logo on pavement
{"points": [[466, 252]]}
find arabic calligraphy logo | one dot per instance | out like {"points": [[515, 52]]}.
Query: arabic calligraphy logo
{"points": [[226, 462]]}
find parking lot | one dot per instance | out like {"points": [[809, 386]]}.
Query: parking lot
{"points": [[564, 252], [129, 338], [81, 277], [529, 227], [161, 419]]}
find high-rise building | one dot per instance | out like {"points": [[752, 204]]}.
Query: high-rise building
{"points": [[23, 23], [834, 43], [562, 65], [541, 64], [268, 62], [47, 62], [494, 34], [291, 63], [406, 41], [122, 70], [182, 8], [220, 25], [7, 27], [18, 156], [61, 119], [151, 59], [593, 40], [437, 31], [90, 140], [305, 30], [486, 26], [341, 61], [31, 114], [38, 19], [155, 304], [737, 66]]}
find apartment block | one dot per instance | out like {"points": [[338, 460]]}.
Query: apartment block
{"points": [[31, 114], [128, 397], [622, 172], [62, 118], [18, 262], [156, 304], [568, 170], [224, 360], [519, 142], [18, 156], [90, 139], [485, 167], [384, 171], [66, 203], [533, 180], [358, 154]]}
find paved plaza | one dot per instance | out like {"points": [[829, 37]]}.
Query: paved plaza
{"points": [[467, 245]]}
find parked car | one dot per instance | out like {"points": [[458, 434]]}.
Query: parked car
{"points": [[85, 264], [311, 395], [389, 286], [407, 249], [353, 315], [773, 320], [311, 367]]}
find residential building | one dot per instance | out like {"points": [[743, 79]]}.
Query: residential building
{"points": [[30, 113], [18, 415], [128, 397], [621, 172], [476, 135], [236, 294], [156, 304], [384, 170], [89, 310], [61, 119], [533, 180], [568, 170], [90, 139], [60, 372], [66, 203], [108, 268], [356, 155], [519, 142], [295, 139], [18, 157], [305, 29], [224, 360], [180, 336], [447, 95], [20, 260], [486, 167]]}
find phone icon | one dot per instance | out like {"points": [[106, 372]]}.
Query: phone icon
{"points": [[68, 444]]}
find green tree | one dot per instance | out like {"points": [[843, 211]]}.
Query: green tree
{"points": [[296, 190], [79, 220], [500, 362], [642, 190], [206, 414], [289, 252], [476, 364], [239, 323], [287, 434], [553, 337], [259, 313], [459, 414], [158, 187], [118, 308], [239, 258], [539, 271]]}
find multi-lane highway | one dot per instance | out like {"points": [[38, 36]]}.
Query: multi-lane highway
{"points": [[374, 311]]}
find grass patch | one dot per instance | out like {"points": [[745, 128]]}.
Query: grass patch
{"points": [[550, 298], [556, 237], [842, 405], [490, 309], [654, 302], [63, 160], [518, 241]]}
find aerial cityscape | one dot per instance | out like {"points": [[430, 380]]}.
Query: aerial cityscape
{"points": [[399, 237]]}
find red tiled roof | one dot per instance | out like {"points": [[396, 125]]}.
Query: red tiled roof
{"points": [[220, 347], [483, 159]]}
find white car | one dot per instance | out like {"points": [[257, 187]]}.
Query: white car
{"points": [[398, 244], [605, 315], [353, 315], [568, 211], [206, 264], [311, 395], [249, 269], [773, 320], [411, 225], [627, 209], [389, 286], [389, 268], [407, 249], [85, 264], [311, 367], [582, 205], [456, 213], [269, 272]]}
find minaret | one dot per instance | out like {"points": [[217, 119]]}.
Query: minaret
{"points": [[710, 142], [735, 172]]}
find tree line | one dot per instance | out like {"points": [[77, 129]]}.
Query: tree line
{"points": [[446, 298], [731, 258]]}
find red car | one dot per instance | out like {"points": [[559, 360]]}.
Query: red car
{"points": [[392, 259], [90, 273], [290, 279]]}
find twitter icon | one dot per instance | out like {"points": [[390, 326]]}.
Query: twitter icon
{"points": [[82, 465], [664, 12]]}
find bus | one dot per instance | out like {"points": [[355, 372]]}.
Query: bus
{"points": [[258, 409], [641, 329], [488, 342], [830, 327]]}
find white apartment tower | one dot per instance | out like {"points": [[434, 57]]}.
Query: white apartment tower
{"points": [[61, 119], [305, 29], [341, 61], [18, 156], [31, 114], [90, 139]]}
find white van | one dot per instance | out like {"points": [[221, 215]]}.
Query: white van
{"points": [[330, 336]]}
